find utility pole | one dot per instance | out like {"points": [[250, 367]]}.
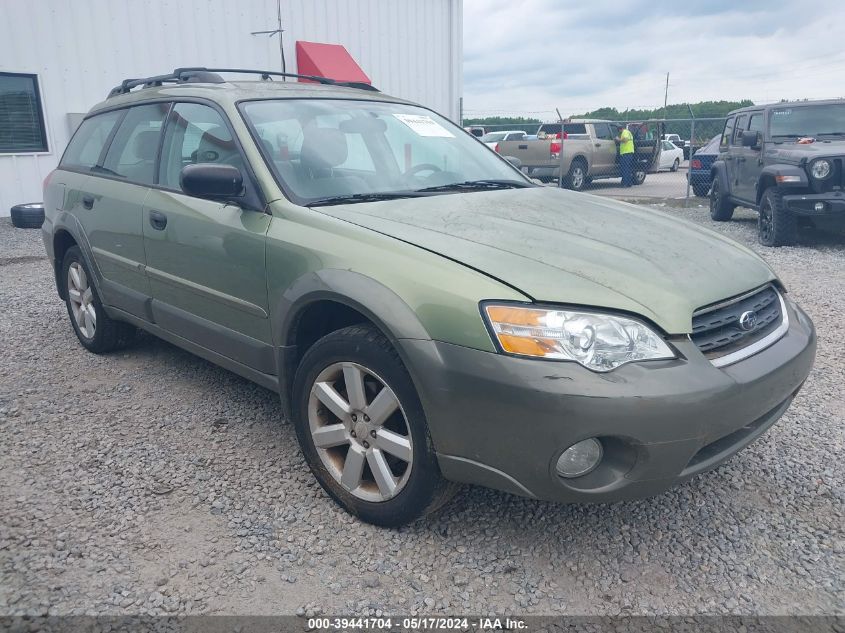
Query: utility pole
{"points": [[666, 96], [277, 31]]}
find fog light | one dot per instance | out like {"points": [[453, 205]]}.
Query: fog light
{"points": [[819, 206], [579, 459]]}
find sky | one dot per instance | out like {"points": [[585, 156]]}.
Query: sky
{"points": [[528, 57]]}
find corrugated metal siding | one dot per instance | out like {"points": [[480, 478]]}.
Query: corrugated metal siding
{"points": [[81, 49]]}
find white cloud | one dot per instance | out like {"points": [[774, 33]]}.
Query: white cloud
{"points": [[532, 56]]}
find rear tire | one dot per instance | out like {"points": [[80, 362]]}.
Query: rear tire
{"points": [[721, 209], [28, 216], [675, 165], [576, 179], [701, 190], [345, 464], [96, 331], [776, 225]]}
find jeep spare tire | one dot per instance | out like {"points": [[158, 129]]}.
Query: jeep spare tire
{"points": [[28, 216]]}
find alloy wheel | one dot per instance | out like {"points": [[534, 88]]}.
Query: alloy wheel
{"points": [[360, 431], [81, 299], [577, 177]]}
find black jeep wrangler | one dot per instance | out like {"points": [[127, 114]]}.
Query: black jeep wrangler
{"points": [[786, 161]]}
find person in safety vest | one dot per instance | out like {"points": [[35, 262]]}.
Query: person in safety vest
{"points": [[626, 155]]}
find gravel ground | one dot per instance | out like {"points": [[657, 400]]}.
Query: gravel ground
{"points": [[151, 481]]}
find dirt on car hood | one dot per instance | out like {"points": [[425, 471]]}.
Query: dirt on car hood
{"points": [[563, 247]]}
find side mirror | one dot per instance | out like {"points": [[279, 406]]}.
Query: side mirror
{"points": [[513, 160], [751, 139], [209, 180]]}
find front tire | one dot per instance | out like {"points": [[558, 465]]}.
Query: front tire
{"points": [[701, 190], [721, 209], [96, 331], [639, 176], [363, 430], [776, 225]]}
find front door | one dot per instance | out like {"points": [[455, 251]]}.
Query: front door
{"points": [[205, 259]]}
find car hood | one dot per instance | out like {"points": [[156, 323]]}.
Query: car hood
{"points": [[791, 150], [564, 247]]}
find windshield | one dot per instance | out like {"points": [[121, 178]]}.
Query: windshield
{"points": [[325, 149], [492, 137], [809, 120]]}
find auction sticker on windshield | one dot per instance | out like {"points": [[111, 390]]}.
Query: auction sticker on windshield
{"points": [[424, 125]]}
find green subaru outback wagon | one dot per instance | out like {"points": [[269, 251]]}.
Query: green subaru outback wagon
{"points": [[428, 315]]}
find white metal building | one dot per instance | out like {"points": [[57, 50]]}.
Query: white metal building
{"points": [[60, 57]]}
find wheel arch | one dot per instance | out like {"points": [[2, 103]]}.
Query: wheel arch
{"points": [[322, 302], [769, 174], [718, 172]]}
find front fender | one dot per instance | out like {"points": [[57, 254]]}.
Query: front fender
{"points": [[375, 301]]}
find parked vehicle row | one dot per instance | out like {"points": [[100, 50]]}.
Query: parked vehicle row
{"points": [[427, 314], [583, 149]]}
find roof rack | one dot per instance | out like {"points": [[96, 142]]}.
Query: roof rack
{"points": [[200, 74]]}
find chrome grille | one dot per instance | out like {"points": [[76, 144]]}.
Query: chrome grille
{"points": [[717, 331]]}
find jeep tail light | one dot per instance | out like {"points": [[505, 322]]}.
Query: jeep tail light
{"points": [[695, 164], [554, 147], [496, 149]]}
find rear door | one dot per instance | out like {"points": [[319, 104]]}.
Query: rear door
{"points": [[604, 149], [729, 151], [205, 258], [111, 205], [749, 167]]}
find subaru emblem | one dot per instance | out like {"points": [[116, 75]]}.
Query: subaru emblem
{"points": [[748, 320]]}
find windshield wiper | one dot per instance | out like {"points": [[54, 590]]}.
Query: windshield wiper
{"points": [[831, 134], [362, 197], [477, 185]]}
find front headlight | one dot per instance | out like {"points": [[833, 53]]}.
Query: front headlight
{"points": [[820, 169], [597, 341]]}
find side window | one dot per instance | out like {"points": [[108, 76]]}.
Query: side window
{"points": [[195, 133], [727, 133], [755, 124], [132, 153], [87, 144], [575, 128], [603, 131], [739, 129]]}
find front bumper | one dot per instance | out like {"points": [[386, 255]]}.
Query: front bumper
{"points": [[502, 422], [805, 203]]}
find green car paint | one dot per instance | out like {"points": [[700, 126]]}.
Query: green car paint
{"points": [[231, 281]]}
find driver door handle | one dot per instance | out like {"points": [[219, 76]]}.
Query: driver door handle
{"points": [[158, 220], [522, 146]]}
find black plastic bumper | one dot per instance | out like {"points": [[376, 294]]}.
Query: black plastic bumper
{"points": [[833, 204], [502, 422]]}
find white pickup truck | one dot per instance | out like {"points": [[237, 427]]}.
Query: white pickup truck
{"points": [[589, 152]]}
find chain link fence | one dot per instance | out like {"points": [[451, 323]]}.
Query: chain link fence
{"points": [[672, 156]]}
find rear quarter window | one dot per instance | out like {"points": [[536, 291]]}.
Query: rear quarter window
{"points": [[84, 150]]}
